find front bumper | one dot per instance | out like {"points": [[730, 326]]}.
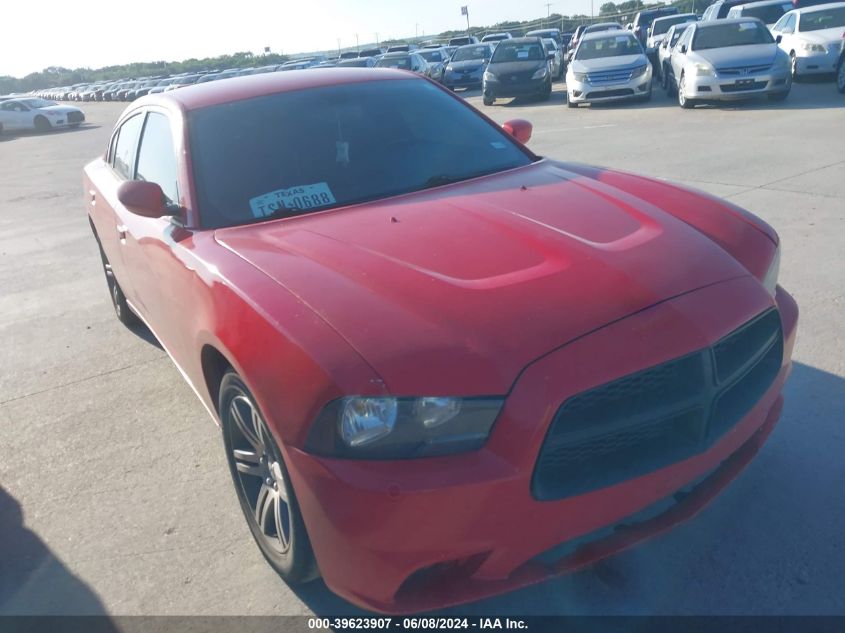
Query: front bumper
{"points": [[731, 88], [410, 536], [585, 92], [503, 87], [818, 63], [455, 79]]}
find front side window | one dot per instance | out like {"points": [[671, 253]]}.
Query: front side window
{"points": [[156, 158], [302, 151], [123, 160], [662, 25]]}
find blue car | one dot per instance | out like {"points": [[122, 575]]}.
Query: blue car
{"points": [[466, 67]]}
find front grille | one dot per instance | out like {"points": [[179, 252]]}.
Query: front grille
{"points": [[658, 416], [754, 85], [610, 77], [75, 117], [624, 92], [736, 71]]}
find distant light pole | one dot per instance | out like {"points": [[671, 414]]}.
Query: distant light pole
{"points": [[376, 40], [338, 47], [465, 11], [357, 46]]}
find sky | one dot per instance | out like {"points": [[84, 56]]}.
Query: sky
{"points": [[98, 33]]}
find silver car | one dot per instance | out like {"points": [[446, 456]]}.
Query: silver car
{"points": [[555, 56], [811, 37], [723, 60], [608, 66]]}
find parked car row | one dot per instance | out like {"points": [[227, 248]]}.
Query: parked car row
{"points": [[737, 49]]}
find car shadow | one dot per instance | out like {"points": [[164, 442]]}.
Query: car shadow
{"points": [[10, 136], [34, 582], [145, 334], [685, 570]]}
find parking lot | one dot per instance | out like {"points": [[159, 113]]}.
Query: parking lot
{"points": [[114, 491]]}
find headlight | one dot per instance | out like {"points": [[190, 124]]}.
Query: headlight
{"points": [[448, 69], [639, 70], [812, 48], [704, 70], [770, 281], [540, 73], [580, 77], [48, 113], [402, 428], [488, 76]]}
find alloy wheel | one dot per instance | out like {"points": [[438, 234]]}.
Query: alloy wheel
{"points": [[260, 475]]}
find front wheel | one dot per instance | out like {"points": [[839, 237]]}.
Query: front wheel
{"points": [[488, 101], [840, 76], [793, 64], [41, 124], [683, 101], [263, 485]]}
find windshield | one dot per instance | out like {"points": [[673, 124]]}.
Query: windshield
{"points": [[431, 55], [662, 25], [336, 145], [403, 62], [732, 34], [471, 52], [818, 20], [615, 46], [510, 51], [767, 13], [37, 103]]}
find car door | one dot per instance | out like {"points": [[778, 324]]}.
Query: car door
{"points": [[678, 57], [145, 241], [16, 116], [107, 214]]}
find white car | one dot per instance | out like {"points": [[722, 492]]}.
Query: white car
{"points": [[811, 37], [608, 66], [34, 113], [767, 11]]}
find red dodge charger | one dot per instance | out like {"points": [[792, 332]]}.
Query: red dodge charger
{"points": [[444, 367]]}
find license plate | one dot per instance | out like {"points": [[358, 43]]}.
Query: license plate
{"points": [[744, 82]]}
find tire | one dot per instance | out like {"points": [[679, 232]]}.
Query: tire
{"points": [[793, 65], [670, 83], [41, 124], [664, 79], [262, 484], [488, 101], [840, 76], [570, 104], [683, 101], [122, 310]]}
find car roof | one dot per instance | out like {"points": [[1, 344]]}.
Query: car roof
{"points": [[197, 96], [597, 35], [819, 7], [396, 54], [693, 15], [722, 21], [520, 40]]}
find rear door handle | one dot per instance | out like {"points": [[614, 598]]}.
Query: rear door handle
{"points": [[93, 194], [121, 233]]}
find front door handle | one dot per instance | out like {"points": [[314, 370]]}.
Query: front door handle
{"points": [[121, 233]]}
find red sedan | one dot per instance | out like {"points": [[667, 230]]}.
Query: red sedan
{"points": [[444, 367]]}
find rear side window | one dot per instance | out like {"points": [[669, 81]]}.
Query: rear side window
{"points": [[156, 158], [123, 160]]}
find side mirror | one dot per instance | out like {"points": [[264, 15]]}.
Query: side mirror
{"points": [[520, 129], [778, 38], [683, 49], [142, 198]]}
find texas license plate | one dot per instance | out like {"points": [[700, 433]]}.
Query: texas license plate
{"points": [[744, 82]]}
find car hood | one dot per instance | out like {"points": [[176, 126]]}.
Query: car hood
{"points": [[750, 55], [469, 64], [479, 278], [502, 68], [824, 36], [608, 63]]}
